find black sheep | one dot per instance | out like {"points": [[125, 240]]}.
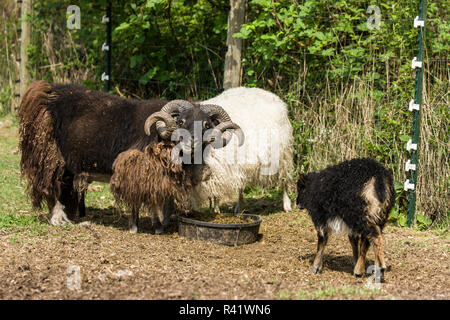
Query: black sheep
{"points": [[70, 136], [353, 197]]}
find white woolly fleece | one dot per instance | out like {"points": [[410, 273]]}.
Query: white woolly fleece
{"points": [[265, 158]]}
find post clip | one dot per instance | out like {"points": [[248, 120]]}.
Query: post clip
{"points": [[409, 166], [418, 23], [410, 145], [413, 106], [408, 186], [415, 63]]}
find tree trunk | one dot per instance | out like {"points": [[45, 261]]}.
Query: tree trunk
{"points": [[236, 17], [24, 43]]}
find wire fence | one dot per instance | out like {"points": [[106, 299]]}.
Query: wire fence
{"points": [[296, 53], [217, 50], [338, 54]]}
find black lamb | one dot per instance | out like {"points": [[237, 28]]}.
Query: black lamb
{"points": [[353, 197]]}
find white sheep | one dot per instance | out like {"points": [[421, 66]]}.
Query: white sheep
{"points": [[266, 157]]}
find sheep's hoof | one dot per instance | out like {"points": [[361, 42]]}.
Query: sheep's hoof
{"points": [[358, 275], [316, 269], [134, 229], [59, 217], [60, 220], [287, 207]]}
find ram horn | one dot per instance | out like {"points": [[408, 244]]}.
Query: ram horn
{"points": [[177, 106], [215, 110], [224, 121], [237, 131], [165, 123]]}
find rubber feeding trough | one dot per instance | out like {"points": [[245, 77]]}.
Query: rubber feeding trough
{"points": [[230, 232]]}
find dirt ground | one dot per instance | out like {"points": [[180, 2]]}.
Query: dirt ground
{"points": [[115, 264]]}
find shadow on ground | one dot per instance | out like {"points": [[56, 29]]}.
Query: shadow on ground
{"points": [[336, 263], [113, 217]]}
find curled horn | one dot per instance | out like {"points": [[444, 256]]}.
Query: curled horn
{"points": [[237, 131], [215, 110], [225, 122], [165, 123]]}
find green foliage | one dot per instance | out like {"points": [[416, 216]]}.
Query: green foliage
{"points": [[174, 44], [5, 100], [398, 213]]}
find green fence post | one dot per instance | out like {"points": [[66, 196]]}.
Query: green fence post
{"points": [[415, 106], [106, 76]]}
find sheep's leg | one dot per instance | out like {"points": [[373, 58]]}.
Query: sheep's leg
{"points": [[57, 205], [59, 217], [322, 239], [237, 208], [354, 241], [162, 223], [286, 200], [360, 266], [377, 242], [134, 220], [154, 218], [166, 219], [68, 198], [81, 205], [216, 205]]}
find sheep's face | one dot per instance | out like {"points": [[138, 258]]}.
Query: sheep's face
{"points": [[301, 186], [194, 122], [192, 128]]}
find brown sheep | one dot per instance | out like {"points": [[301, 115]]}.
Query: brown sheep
{"points": [[150, 179]]}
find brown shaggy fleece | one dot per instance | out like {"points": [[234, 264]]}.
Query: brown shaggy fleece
{"points": [[41, 162], [149, 178]]}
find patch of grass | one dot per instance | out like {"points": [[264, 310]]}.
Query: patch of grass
{"points": [[99, 196], [302, 219], [344, 292], [16, 214], [22, 222], [284, 294], [14, 239]]}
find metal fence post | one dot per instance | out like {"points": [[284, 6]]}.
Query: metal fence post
{"points": [[414, 107], [106, 76]]}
